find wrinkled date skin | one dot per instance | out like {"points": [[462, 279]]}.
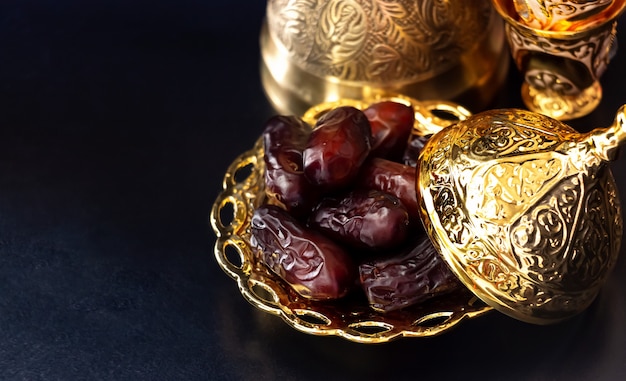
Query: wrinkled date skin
{"points": [[393, 178], [363, 219], [391, 124], [339, 144], [315, 266], [399, 281], [284, 139], [343, 189]]}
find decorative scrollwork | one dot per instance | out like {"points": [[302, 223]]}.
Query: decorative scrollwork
{"points": [[522, 209], [378, 41], [562, 48], [559, 14], [589, 49]]}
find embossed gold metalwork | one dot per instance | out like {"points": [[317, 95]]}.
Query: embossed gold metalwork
{"points": [[524, 209], [243, 191], [561, 15], [319, 51], [562, 68]]}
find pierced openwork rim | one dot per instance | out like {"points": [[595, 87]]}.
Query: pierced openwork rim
{"points": [[243, 191]]}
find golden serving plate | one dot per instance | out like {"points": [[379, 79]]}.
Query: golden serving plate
{"points": [[522, 207], [350, 318]]}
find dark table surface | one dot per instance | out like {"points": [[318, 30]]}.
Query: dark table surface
{"points": [[118, 120]]}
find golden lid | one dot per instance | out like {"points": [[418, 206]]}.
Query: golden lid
{"points": [[524, 209]]}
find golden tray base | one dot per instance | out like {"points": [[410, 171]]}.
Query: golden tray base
{"points": [[350, 318]]}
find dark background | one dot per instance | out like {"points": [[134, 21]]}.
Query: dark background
{"points": [[118, 120]]}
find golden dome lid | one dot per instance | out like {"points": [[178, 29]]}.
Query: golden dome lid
{"points": [[524, 210]]}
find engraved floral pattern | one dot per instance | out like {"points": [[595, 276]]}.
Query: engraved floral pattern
{"points": [[340, 32], [540, 237], [590, 50], [549, 81], [528, 218], [378, 41], [557, 14]]}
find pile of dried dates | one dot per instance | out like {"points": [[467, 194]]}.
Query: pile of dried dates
{"points": [[340, 214]]}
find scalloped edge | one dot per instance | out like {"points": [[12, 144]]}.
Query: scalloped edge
{"points": [[365, 326]]}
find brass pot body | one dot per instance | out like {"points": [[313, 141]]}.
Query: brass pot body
{"points": [[321, 51]]}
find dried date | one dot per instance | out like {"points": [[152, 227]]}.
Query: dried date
{"points": [[413, 149], [391, 124], [394, 178], [399, 281], [315, 266], [337, 147], [363, 219], [284, 139], [353, 158]]}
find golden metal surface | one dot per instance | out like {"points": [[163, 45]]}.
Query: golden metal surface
{"points": [[243, 191], [562, 66], [561, 14], [524, 209], [319, 51]]}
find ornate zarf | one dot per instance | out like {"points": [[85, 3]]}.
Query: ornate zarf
{"points": [[377, 41], [592, 52], [562, 48]]}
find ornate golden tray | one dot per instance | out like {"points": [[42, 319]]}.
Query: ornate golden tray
{"points": [[350, 318]]}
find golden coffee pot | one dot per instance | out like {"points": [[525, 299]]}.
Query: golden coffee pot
{"points": [[524, 209], [323, 51]]}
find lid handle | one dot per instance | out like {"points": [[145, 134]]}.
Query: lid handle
{"points": [[606, 141]]}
